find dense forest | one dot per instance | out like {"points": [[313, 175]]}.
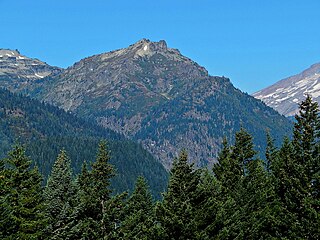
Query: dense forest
{"points": [[45, 129], [241, 197]]}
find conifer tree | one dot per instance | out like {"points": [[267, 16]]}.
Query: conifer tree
{"points": [[60, 199], [5, 224], [243, 151], [23, 201], [87, 225], [222, 168], [210, 202], [259, 204], [139, 218], [98, 211], [271, 153], [306, 153], [288, 189], [176, 212], [232, 172]]}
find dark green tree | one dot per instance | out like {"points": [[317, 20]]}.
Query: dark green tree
{"points": [[286, 174], [242, 151], [306, 154], [271, 152], [24, 201], [176, 213], [210, 202], [60, 199], [5, 225], [139, 220], [98, 212], [259, 204], [87, 225]]}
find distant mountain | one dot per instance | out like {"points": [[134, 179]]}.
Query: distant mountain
{"points": [[152, 93], [45, 130], [285, 95], [18, 71]]}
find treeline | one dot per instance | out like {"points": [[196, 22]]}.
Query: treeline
{"points": [[242, 197]]}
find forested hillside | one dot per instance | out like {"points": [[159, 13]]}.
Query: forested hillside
{"points": [[153, 94], [45, 130], [242, 198]]}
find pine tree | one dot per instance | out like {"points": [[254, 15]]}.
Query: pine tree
{"points": [[232, 172], [288, 189], [60, 199], [271, 153], [210, 202], [220, 169], [5, 224], [176, 212], [260, 204], [24, 201], [243, 151], [306, 147], [87, 224], [98, 211], [139, 217]]}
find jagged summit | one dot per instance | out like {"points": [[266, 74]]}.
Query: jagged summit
{"points": [[16, 69], [147, 45], [145, 48], [5, 53]]}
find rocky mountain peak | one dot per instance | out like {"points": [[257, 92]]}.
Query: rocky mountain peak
{"points": [[7, 53], [147, 45], [21, 69]]}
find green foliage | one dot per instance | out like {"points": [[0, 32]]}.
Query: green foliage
{"points": [[60, 199], [176, 212], [46, 129], [23, 201], [98, 210], [139, 220], [244, 197]]}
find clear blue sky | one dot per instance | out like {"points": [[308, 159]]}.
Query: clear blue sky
{"points": [[254, 43]]}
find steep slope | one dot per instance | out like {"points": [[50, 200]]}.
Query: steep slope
{"points": [[154, 94], [18, 71], [285, 95], [46, 129]]}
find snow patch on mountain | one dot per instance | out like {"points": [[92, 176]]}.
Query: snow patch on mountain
{"points": [[285, 95]]}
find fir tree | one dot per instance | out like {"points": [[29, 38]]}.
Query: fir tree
{"points": [[306, 147], [210, 201], [24, 201], [60, 199], [271, 152], [243, 151], [5, 224], [288, 189], [98, 211], [176, 212], [139, 218]]}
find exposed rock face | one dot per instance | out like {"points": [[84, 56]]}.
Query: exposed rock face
{"points": [[153, 94], [18, 72], [285, 95]]}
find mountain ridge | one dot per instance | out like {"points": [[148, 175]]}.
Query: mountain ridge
{"points": [[155, 95], [285, 94]]}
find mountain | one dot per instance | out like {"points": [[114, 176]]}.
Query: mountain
{"points": [[45, 130], [18, 71], [285, 95], [155, 95]]}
